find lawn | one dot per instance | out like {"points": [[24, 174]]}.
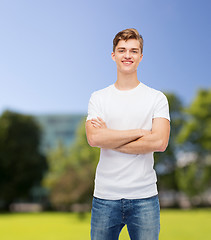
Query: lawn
{"points": [[175, 225]]}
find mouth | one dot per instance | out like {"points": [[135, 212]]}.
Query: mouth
{"points": [[127, 62]]}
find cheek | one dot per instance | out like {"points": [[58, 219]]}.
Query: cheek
{"points": [[118, 59], [138, 60]]}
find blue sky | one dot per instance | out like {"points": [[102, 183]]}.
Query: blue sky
{"points": [[55, 53]]}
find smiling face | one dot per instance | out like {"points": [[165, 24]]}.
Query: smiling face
{"points": [[127, 56]]}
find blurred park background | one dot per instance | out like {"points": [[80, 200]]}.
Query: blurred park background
{"points": [[53, 55]]}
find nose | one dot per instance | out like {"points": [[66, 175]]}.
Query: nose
{"points": [[127, 54]]}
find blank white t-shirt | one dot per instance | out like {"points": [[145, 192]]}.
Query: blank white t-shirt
{"points": [[122, 175]]}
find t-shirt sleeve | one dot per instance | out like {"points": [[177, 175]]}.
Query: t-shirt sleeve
{"points": [[94, 109], [161, 109]]}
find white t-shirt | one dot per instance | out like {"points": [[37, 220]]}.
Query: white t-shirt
{"points": [[121, 175]]}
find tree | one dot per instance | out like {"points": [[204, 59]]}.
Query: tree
{"points": [[193, 178], [195, 136], [71, 172], [21, 164], [196, 132], [165, 163]]}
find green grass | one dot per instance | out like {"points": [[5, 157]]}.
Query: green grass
{"points": [[175, 225]]}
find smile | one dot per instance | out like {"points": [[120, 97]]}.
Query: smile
{"points": [[127, 62]]}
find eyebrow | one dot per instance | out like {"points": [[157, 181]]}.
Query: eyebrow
{"points": [[125, 48]]}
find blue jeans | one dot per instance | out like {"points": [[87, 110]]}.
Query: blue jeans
{"points": [[142, 217]]}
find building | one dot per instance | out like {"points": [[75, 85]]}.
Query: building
{"points": [[58, 128]]}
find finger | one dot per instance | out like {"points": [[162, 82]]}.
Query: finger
{"points": [[100, 119], [96, 123], [95, 120]]}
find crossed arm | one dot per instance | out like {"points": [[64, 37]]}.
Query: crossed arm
{"points": [[135, 141]]}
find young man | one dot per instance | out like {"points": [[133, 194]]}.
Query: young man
{"points": [[128, 121]]}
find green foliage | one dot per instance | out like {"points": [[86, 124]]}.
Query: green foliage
{"points": [[195, 136], [197, 130], [165, 162], [21, 163], [71, 172], [192, 179], [81, 152], [58, 159]]}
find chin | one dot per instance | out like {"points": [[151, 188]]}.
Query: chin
{"points": [[128, 71]]}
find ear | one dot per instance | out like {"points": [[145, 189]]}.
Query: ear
{"points": [[113, 56], [141, 57]]}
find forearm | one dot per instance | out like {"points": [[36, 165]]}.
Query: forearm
{"points": [[109, 138], [157, 141], [146, 144]]}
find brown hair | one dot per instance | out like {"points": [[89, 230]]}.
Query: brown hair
{"points": [[130, 33]]}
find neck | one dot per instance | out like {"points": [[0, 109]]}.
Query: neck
{"points": [[126, 81]]}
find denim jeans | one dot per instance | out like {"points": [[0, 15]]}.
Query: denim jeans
{"points": [[142, 217]]}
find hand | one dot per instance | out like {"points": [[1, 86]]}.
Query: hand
{"points": [[98, 123]]}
